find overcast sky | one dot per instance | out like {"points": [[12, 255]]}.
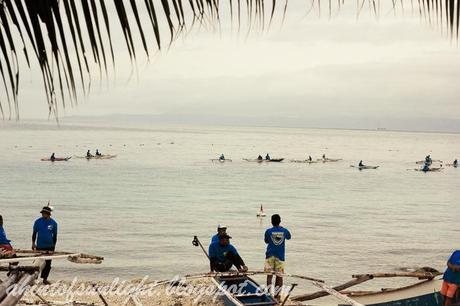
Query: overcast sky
{"points": [[397, 72]]}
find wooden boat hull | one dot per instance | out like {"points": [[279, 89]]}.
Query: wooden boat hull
{"points": [[242, 290], [56, 159], [365, 167], [425, 293], [303, 161]]}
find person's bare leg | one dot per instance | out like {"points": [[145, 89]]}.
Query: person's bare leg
{"points": [[447, 301], [278, 286], [269, 282]]}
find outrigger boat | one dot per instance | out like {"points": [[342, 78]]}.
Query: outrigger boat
{"points": [[261, 212], [221, 160], [246, 291], [429, 170], [306, 161], [105, 156], [273, 160], [422, 162], [328, 160], [425, 292], [364, 167], [56, 159]]}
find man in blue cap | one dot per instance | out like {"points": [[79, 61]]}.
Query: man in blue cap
{"points": [[223, 256], [44, 238]]}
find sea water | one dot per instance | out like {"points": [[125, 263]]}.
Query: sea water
{"points": [[141, 209]]}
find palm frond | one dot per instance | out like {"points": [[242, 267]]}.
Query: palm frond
{"points": [[41, 28]]}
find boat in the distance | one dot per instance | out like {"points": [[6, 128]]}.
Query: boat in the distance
{"points": [[104, 156], [422, 162], [364, 167], [218, 160], [329, 160], [261, 212], [56, 159], [429, 170], [273, 160], [302, 161]]}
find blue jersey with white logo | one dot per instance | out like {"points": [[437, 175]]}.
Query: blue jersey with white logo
{"points": [[275, 239], [46, 230]]}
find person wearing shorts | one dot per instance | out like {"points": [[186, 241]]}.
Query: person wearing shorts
{"points": [[275, 238], [451, 278]]}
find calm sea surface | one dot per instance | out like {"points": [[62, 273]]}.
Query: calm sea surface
{"points": [[141, 210]]}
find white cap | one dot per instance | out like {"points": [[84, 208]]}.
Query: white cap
{"points": [[221, 226]]}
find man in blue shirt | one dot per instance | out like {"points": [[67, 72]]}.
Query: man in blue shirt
{"points": [[5, 245], [221, 229], [44, 238], [223, 256], [275, 239], [451, 278]]}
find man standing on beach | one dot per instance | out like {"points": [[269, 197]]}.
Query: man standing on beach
{"points": [[275, 239], [5, 245], [451, 278], [45, 235]]}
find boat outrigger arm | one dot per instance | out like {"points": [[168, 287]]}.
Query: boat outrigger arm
{"points": [[25, 275], [213, 275]]}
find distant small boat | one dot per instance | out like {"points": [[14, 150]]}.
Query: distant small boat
{"points": [[254, 160], [329, 160], [105, 156], [421, 162], [56, 159], [364, 167], [275, 160], [306, 161], [261, 212], [429, 170], [221, 160]]}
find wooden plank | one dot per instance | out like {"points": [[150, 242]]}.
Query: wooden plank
{"points": [[318, 294]]}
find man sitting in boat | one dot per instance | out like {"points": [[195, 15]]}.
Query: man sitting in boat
{"points": [[267, 157], [5, 245], [222, 157], [324, 156], [361, 164], [52, 158], [221, 229], [455, 163], [451, 278], [97, 153], [309, 158], [260, 157], [275, 239], [428, 160], [223, 256], [88, 154]]}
